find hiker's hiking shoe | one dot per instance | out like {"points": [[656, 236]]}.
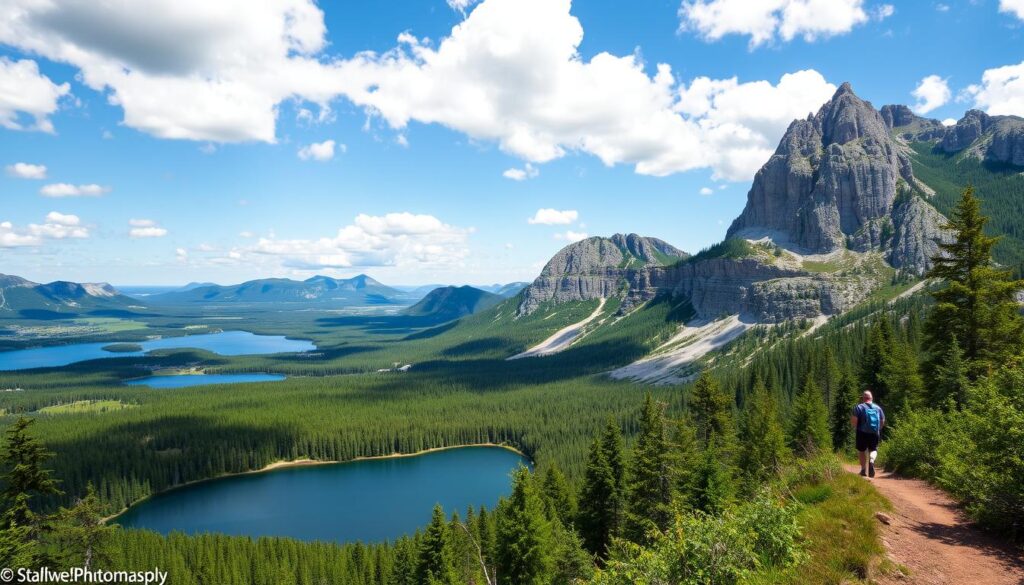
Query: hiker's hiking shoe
{"points": [[871, 470], [862, 472]]}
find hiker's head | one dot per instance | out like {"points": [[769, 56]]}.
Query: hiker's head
{"points": [[866, 396]]}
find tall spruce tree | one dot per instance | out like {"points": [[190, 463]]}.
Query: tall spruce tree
{"points": [[901, 377], [436, 561], [559, 495], [615, 453], [684, 458], [976, 304], [712, 411], [809, 431], [878, 346], [842, 406], [949, 378], [526, 543], [649, 490], [597, 519], [24, 479], [80, 533], [762, 438], [715, 481]]}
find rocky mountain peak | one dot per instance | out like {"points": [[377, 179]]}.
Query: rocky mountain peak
{"points": [[839, 179]]}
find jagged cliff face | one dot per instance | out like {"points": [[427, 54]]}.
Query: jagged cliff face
{"points": [[839, 179], [997, 139], [840, 184], [597, 267]]}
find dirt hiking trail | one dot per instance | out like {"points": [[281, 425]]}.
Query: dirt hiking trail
{"points": [[927, 533]]}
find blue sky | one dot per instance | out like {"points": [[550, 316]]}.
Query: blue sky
{"points": [[183, 142]]}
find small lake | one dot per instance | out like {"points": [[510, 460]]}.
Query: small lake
{"points": [[370, 500], [186, 380], [224, 343]]}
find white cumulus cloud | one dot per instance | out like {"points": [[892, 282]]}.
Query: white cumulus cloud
{"points": [[548, 216], [55, 226], [706, 191], [145, 228], [1001, 91], [765, 20], [933, 92], [527, 172], [1014, 7], [192, 69], [511, 73], [320, 151], [26, 171], [25, 91], [393, 239], [69, 190]]}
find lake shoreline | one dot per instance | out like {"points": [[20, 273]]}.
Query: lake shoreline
{"points": [[305, 462]]}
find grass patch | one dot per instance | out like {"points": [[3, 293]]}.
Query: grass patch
{"points": [[81, 406], [839, 529]]}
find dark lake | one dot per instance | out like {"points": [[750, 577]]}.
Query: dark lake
{"points": [[370, 500], [224, 343]]}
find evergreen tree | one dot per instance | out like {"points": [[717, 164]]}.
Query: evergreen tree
{"points": [[901, 377], [615, 454], [842, 406], [436, 562], [712, 410], [525, 534], [715, 482], [829, 375], [649, 489], [879, 344], [950, 380], [762, 438], [560, 497], [24, 478], [977, 304], [572, 564], [597, 519], [809, 430], [684, 457], [81, 536]]}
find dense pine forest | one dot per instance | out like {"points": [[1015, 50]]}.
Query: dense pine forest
{"points": [[729, 478]]}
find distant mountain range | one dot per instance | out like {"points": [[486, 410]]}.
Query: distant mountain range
{"points": [[452, 302], [21, 298], [358, 290]]}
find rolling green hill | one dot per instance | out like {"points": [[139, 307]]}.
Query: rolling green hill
{"points": [[451, 302]]}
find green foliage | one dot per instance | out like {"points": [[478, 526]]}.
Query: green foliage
{"points": [[525, 535], [559, 495], [436, 561], [977, 304], [711, 549], [712, 410], [598, 515], [648, 487], [731, 248], [809, 431], [762, 438], [80, 536], [842, 405]]}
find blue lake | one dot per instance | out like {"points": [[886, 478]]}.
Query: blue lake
{"points": [[370, 500], [186, 380], [224, 343]]}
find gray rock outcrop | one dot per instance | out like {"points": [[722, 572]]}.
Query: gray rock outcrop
{"points": [[833, 183]]}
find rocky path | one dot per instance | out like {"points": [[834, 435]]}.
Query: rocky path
{"points": [[927, 533]]}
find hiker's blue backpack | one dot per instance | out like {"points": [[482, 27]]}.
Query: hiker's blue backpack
{"points": [[872, 417]]}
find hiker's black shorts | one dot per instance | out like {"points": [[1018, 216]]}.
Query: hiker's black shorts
{"points": [[867, 441]]}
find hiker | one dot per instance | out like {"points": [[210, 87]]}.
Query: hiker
{"points": [[868, 419]]}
